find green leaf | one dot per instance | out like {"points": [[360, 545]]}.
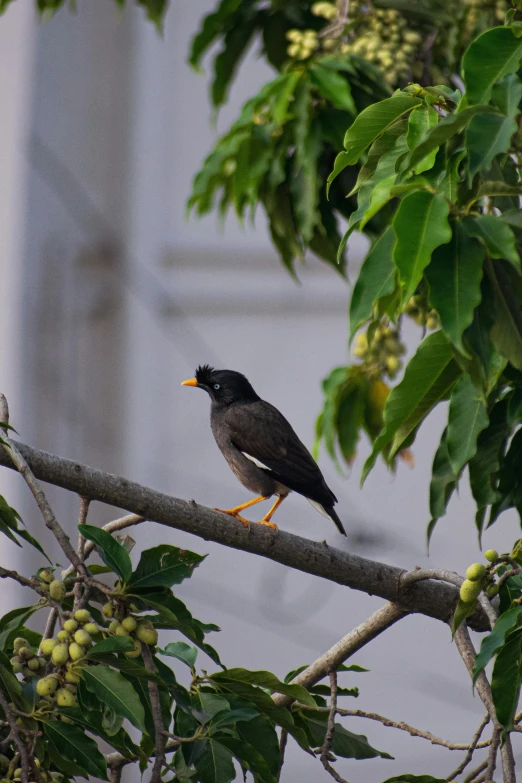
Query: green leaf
{"points": [[215, 764], [421, 225], [251, 758], [74, 745], [461, 612], [489, 58], [439, 134], [466, 419], [231, 717], [454, 278], [261, 735], [10, 685], [9, 518], [429, 377], [420, 121], [115, 691], [344, 743], [182, 652], [286, 85], [112, 553], [11, 623], [163, 566], [506, 333], [368, 126], [496, 234], [235, 43], [334, 87], [307, 149], [110, 645], [443, 484], [507, 94], [494, 641], [376, 279], [267, 680], [213, 25], [505, 680], [497, 188], [488, 135]]}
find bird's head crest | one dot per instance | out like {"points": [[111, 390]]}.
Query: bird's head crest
{"points": [[204, 374]]}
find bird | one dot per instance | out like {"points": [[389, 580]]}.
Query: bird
{"points": [[261, 447]]}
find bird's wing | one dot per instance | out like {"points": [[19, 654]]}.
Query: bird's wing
{"points": [[263, 435]]}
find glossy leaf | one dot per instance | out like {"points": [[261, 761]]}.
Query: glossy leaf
{"points": [[111, 688], [429, 378], [267, 680], [489, 58], [505, 680], [420, 121], [506, 332], [454, 277], [487, 136], [507, 94], [495, 640], [163, 566], [182, 652], [215, 764], [112, 553], [303, 184], [376, 279], [462, 611], [9, 518], [11, 623], [442, 485], [248, 755], [75, 746], [211, 29], [344, 743], [497, 236], [261, 735], [334, 87], [110, 645], [421, 225], [466, 419]]}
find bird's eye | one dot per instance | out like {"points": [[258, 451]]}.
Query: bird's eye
{"points": [[217, 386]]}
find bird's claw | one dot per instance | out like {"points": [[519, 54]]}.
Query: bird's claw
{"points": [[232, 513], [268, 524]]}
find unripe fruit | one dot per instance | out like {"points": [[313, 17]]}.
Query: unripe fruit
{"points": [[64, 698], [72, 677], [129, 623], [63, 636], [46, 576], [82, 637], [27, 672], [47, 646], [66, 719], [33, 664], [76, 652], [147, 635], [476, 572], [71, 687], [120, 630], [46, 686], [60, 654], [24, 653], [70, 625], [16, 664], [57, 590], [112, 627], [91, 628], [42, 662], [137, 650], [18, 773], [82, 615], [491, 555], [469, 591], [20, 642], [107, 610], [4, 762], [493, 590]]}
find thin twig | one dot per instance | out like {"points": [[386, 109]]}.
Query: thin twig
{"points": [[473, 746], [155, 704], [330, 726], [17, 739], [336, 29], [283, 739], [508, 574], [382, 619], [412, 731], [476, 772], [116, 771], [492, 755], [508, 761], [79, 589]]}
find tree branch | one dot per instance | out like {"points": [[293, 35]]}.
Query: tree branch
{"points": [[473, 746], [428, 597], [283, 739], [159, 750], [330, 728], [18, 741], [382, 619]]}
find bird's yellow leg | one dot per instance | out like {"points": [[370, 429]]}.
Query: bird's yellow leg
{"points": [[234, 512], [266, 519]]}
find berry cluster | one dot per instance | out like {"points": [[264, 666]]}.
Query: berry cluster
{"points": [[140, 629], [480, 577], [303, 43], [381, 353], [418, 309]]}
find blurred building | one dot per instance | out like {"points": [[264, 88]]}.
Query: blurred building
{"points": [[109, 299]]}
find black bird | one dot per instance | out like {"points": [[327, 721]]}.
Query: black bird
{"points": [[260, 446]]}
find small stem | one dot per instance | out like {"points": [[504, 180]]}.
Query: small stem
{"points": [[469, 755], [17, 739], [155, 703], [283, 739]]}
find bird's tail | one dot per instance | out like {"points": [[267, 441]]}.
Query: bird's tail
{"points": [[332, 513]]}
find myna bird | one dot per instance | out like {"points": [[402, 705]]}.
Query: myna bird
{"points": [[260, 446]]}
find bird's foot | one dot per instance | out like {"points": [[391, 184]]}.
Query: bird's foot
{"points": [[232, 513], [268, 524]]}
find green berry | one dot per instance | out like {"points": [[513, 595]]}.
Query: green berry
{"points": [[20, 642], [147, 635], [27, 672], [60, 654], [64, 698], [493, 590], [112, 627], [71, 687], [24, 653], [57, 590], [469, 591], [129, 623], [476, 572], [137, 650], [46, 576], [120, 630], [76, 651], [91, 629], [63, 636], [16, 664], [82, 637], [70, 625], [42, 662], [491, 555], [47, 646], [82, 615], [108, 610], [18, 773], [46, 686], [33, 664], [66, 719], [72, 677]]}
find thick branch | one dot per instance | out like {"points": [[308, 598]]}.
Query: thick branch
{"points": [[427, 597]]}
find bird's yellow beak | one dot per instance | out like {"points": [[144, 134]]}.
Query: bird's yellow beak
{"points": [[190, 382]]}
